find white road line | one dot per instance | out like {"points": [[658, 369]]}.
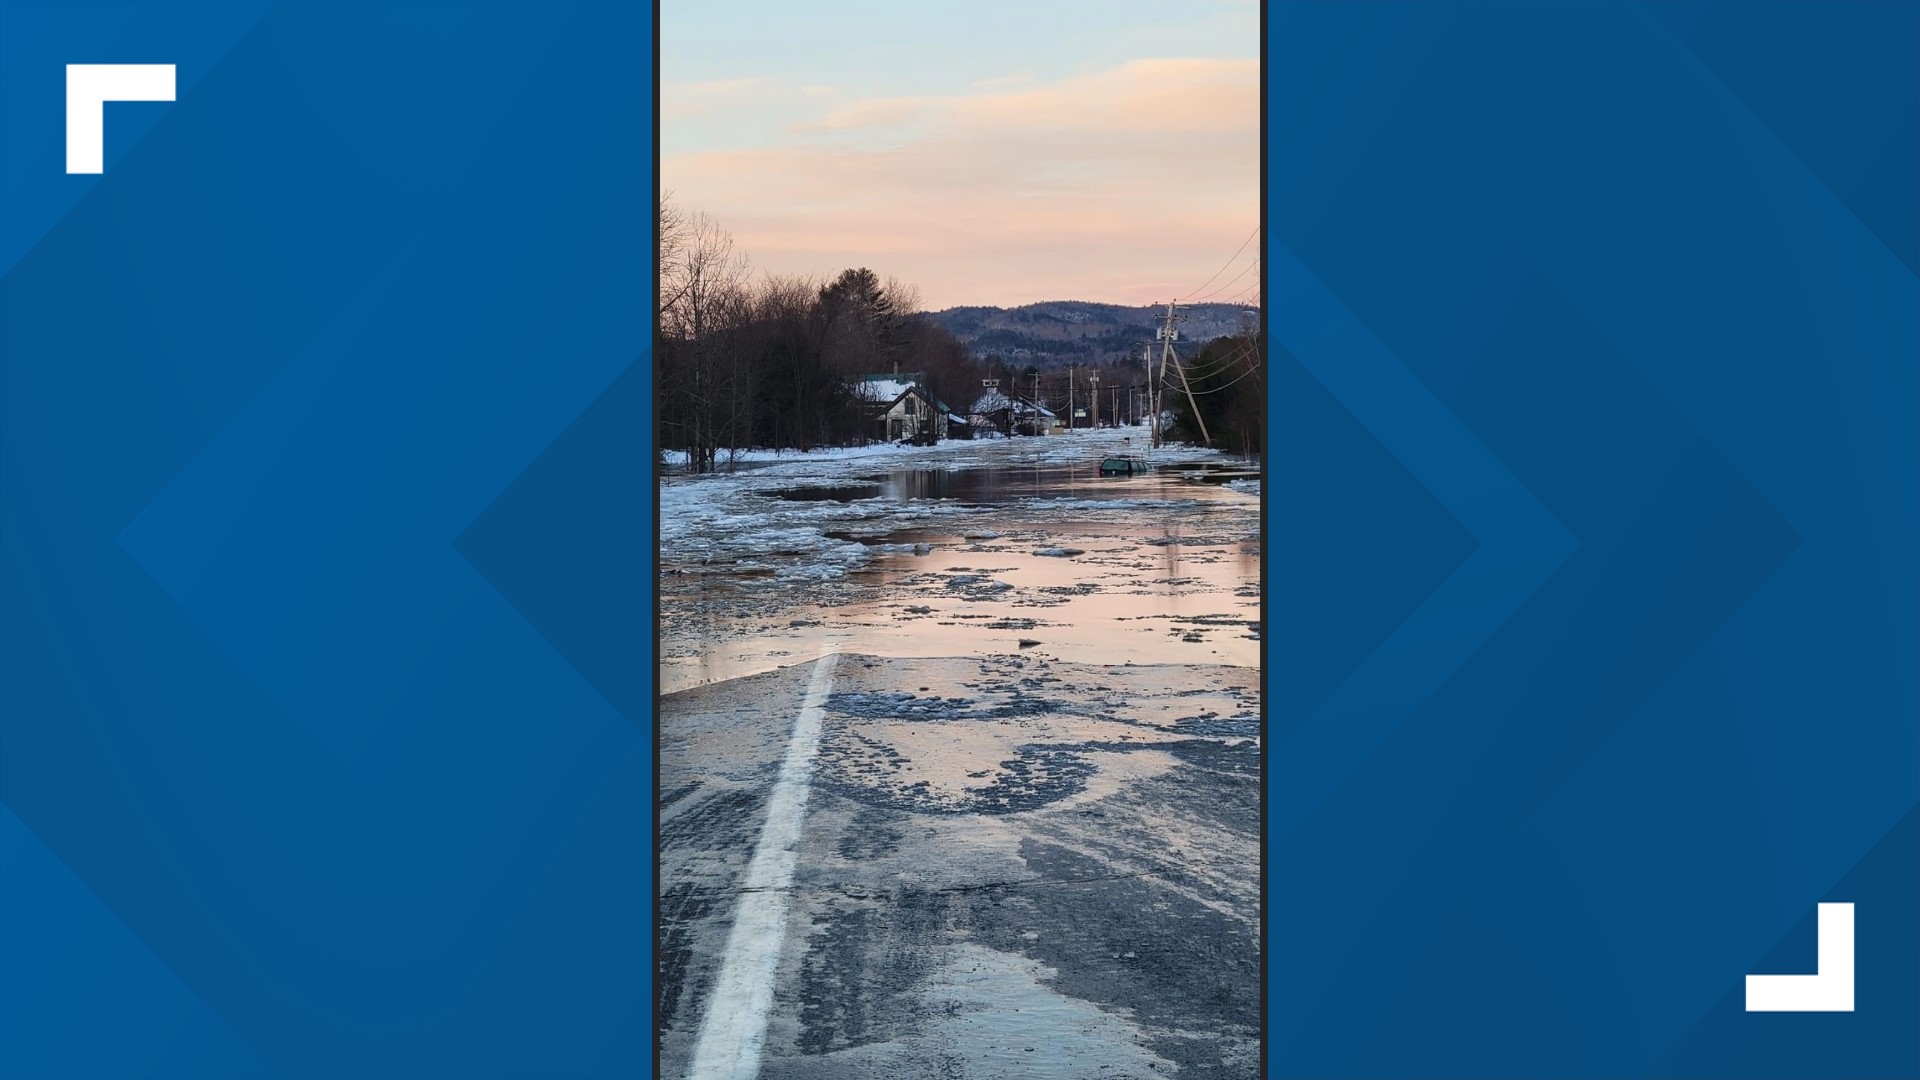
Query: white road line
{"points": [[735, 1027]]}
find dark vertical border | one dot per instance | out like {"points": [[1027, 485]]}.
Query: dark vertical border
{"points": [[653, 565], [1266, 484]]}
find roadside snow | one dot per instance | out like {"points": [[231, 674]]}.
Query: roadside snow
{"points": [[1064, 448], [678, 458], [729, 521]]}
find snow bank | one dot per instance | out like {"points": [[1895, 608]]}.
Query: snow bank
{"points": [[729, 520]]}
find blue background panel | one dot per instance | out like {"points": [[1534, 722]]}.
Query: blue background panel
{"points": [[323, 745], [1630, 292], [291, 787]]}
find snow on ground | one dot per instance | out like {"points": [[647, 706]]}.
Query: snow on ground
{"points": [[962, 548], [734, 524], [678, 458], [1064, 448], [729, 519]]}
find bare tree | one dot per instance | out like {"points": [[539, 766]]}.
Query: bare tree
{"points": [[670, 236], [704, 306], [904, 296], [776, 362], [699, 277]]}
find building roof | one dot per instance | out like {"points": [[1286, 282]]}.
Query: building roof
{"points": [[994, 401], [887, 390]]}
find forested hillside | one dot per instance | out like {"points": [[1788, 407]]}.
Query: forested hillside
{"points": [[1058, 333]]}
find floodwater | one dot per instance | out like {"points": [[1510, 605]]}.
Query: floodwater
{"points": [[1051, 561], [1031, 841], [1003, 485], [1009, 867]]}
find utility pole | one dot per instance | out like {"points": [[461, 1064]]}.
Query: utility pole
{"points": [[1153, 413], [1145, 389], [1156, 382], [1093, 396], [1167, 355], [1069, 397]]}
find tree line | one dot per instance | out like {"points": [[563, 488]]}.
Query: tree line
{"points": [[1229, 382], [773, 361]]}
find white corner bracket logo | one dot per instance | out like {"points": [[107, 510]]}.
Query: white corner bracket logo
{"points": [[1829, 989], [89, 88]]}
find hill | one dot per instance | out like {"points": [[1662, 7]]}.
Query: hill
{"points": [[1057, 333]]}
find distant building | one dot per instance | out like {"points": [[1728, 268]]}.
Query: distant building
{"points": [[1013, 415], [902, 408]]}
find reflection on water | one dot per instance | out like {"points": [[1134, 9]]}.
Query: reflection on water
{"points": [[835, 493], [987, 486], [1144, 569]]}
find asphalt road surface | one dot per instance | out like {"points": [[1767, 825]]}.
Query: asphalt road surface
{"points": [[988, 867]]}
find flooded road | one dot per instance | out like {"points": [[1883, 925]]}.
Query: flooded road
{"points": [[1009, 867], [960, 763], [1013, 549]]}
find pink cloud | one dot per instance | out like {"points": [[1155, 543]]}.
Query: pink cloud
{"points": [[876, 112], [1130, 184]]}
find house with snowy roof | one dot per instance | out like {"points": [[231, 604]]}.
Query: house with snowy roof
{"points": [[903, 408], [1011, 414]]}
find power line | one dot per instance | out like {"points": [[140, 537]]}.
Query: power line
{"points": [[1225, 363], [1169, 355], [1246, 354], [1247, 295], [1223, 266], [1211, 368], [1223, 386], [1230, 284], [1218, 363]]}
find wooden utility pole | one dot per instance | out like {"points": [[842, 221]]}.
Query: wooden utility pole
{"points": [[1153, 393], [1093, 396], [1133, 399], [1167, 355], [1156, 384]]}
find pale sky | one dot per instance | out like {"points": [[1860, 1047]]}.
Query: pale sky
{"points": [[990, 152]]}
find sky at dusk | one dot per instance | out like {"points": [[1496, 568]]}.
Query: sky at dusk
{"points": [[989, 152]]}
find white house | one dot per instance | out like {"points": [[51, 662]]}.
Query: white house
{"points": [[903, 408]]}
